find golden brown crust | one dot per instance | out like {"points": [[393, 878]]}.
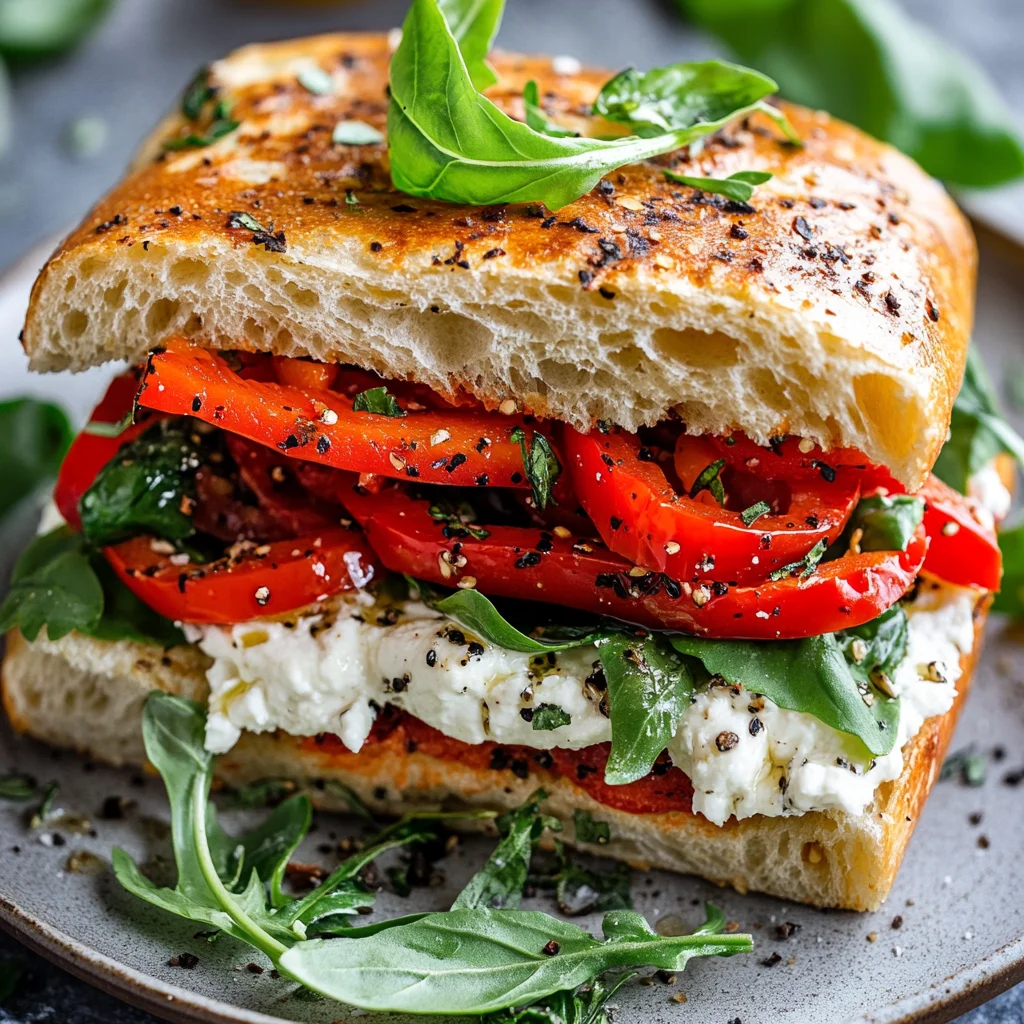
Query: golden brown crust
{"points": [[850, 245], [827, 859]]}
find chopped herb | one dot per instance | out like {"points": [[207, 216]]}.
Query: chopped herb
{"points": [[806, 566], [754, 512], [590, 831], [970, 766], [550, 716], [43, 811], [378, 401], [710, 480], [355, 133], [197, 94], [240, 219], [17, 787], [218, 129], [541, 465], [459, 524]]}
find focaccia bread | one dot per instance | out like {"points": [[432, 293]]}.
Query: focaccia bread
{"points": [[837, 305], [88, 695]]}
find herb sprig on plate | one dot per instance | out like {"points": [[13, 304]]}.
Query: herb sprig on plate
{"points": [[496, 959]]}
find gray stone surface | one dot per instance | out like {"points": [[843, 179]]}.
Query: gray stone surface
{"points": [[132, 70]]}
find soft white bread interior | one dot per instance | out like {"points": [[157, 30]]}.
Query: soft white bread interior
{"points": [[836, 305], [88, 695]]}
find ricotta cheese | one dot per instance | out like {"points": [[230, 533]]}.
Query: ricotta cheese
{"points": [[334, 672]]}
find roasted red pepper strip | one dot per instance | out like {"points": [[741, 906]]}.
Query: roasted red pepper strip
{"points": [[964, 549], [260, 581], [642, 517], [456, 447], [536, 565]]}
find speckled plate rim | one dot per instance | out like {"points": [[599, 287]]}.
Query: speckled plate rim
{"points": [[938, 1003]]}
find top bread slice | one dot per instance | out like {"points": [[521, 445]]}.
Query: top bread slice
{"points": [[836, 305]]}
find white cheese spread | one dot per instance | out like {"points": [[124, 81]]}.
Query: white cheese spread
{"points": [[333, 673]]}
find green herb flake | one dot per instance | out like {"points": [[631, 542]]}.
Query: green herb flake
{"points": [[246, 221], [356, 133], [540, 464], [739, 186], [710, 479], [197, 94], [547, 717], [315, 80], [807, 565], [17, 787], [459, 524], [379, 401], [754, 512], [970, 766], [218, 129], [589, 831]]}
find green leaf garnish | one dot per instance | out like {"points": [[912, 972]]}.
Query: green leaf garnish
{"points": [[315, 80], [535, 116], [447, 141], [887, 523], [197, 94], [36, 436], [710, 479], [805, 567], [474, 24], [820, 675], [378, 401], [590, 831], [547, 717], [739, 186], [540, 464], [754, 512], [17, 787], [60, 583]]}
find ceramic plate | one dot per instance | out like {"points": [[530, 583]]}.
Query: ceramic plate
{"points": [[950, 936]]}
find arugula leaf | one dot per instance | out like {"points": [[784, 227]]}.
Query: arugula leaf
{"points": [[36, 436], [589, 831], [499, 883], [31, 29], [148, 487], [540, 464], [819, 675], [867, 62], [261, 793], [649, 688], [739, 186], [547, 717], [447, 141], [584, 1006], [474, 24], [977, 430], [478, 961], [356, 133], [378, 401], [535, 116]]}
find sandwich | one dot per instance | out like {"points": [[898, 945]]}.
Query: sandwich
{"points": [[486, 427]]}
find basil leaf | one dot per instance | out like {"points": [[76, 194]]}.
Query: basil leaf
{"points": [[474, 24], [36, 436], [977, 430], [378, 401], [590, 831], [53, 585], [447, 141], [739, 186], [43, 28], [148, 487], [499, 883], [887, 523], [535, 116], [477, 961], [356, 133], [867, 62], [656, 102], [62, 585], [649, 688], [547, 717], [818, 675], [474, 611], [540, 464]]}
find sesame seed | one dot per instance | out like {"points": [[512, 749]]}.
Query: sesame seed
{"points": [[806, 445], [397, 461], [700, 596], [467, 582], [950, 529], [672, 547], [438, 436], [329, 417], [629, 203], [508, 407], [562, 531], [262, 595], [638, 570], [444, 566]]}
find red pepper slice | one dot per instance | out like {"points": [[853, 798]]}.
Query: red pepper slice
{"points": [[453, 447], [259, 581], [537, 565], [642, 517]]}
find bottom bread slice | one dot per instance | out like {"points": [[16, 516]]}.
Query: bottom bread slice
{"points": [[88, 695]]}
